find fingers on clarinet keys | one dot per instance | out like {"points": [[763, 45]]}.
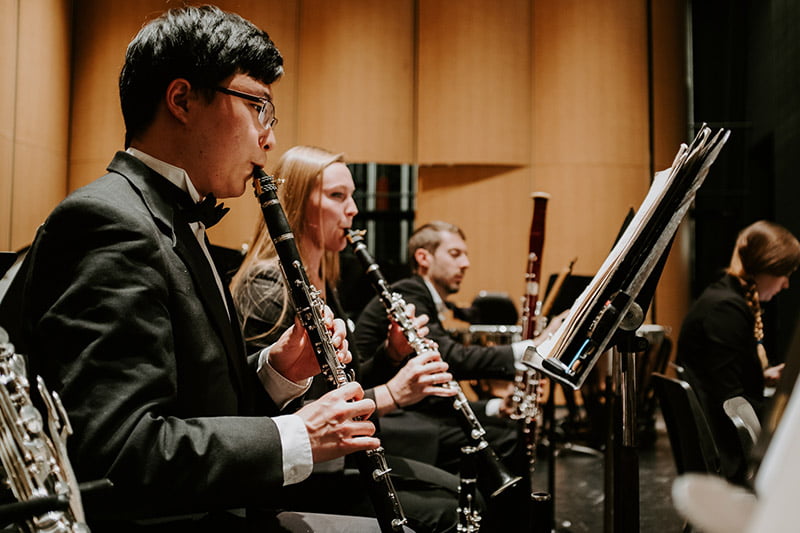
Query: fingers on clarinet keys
{"points": [[334, 423]]}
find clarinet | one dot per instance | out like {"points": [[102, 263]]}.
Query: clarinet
{"points": [[494, 474], [372, 463], [469, 520], [528, 381]]}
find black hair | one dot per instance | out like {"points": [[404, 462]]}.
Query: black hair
{"points": [[201, 44]]}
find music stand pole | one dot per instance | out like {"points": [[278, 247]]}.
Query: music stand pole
{"points": [[624, 454]]}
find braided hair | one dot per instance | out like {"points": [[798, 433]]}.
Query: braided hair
{"points": [[762, 248]]}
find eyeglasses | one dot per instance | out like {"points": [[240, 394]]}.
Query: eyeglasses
{"points": [[266, 109]]}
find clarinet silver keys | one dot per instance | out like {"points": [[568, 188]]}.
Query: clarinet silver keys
{"points": [[371, 464], [493, 473], [469, 519]]}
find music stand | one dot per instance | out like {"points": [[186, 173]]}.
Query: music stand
{"points": [[622, 456], [572, 286], [611, 309]]}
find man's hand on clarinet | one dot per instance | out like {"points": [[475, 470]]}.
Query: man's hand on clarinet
{"points": [[421, 376], [332, 425]]}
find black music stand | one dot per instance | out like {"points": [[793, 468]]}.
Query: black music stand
{"points": [[621, 454], [609, 312], [571, 288]]}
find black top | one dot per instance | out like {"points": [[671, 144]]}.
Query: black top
{"points": [[718, 348]]}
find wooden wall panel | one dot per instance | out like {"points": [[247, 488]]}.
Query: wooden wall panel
{"points": [[279, 18], [356, 79], [41, 126], [9, 10], [670, 112], [589, 148], [474, 82], [590, 123], [101, 38], [523, 95], [492, 205]]}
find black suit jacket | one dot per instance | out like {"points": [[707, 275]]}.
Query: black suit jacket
{"points": [[121, 315], [466, 362]]}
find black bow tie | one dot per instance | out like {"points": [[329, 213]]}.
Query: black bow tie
{"points": [[209, 212]]}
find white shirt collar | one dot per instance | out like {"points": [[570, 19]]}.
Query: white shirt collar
{"points": [[180, 179], [176, 175], [441, 308]]}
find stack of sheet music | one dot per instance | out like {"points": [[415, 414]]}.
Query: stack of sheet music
{"points": [[611, 297]]}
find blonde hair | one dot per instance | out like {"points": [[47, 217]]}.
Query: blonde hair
{"points": [[299, 172]]}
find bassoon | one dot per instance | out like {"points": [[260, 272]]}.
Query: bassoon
{"points": [[371, 463], [525, 398], [532, 305], [493, 475]]}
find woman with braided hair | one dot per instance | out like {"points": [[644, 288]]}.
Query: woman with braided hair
{"points": [[721, 340]]}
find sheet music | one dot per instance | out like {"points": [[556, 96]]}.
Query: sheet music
{"points": [[662, 210]]}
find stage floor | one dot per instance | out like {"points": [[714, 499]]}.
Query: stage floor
{"points": [[579, 481]]}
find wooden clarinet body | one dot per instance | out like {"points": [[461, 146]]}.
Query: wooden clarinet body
{"points": [[372, 463], [527, 383]]}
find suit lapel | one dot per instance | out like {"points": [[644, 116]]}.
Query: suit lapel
{"points": [[163, 200]]}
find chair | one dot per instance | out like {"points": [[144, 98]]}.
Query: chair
{"points": [[745, 421], [693, 446], [654, 359]]}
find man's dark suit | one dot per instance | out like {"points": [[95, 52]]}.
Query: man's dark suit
{"points": [[121, 315], [431, 431], [466, 362]]}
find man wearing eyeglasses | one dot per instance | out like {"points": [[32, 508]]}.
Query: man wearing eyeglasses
{"points": [[125, 316]]}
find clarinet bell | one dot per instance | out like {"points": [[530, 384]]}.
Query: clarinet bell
{"points": [[540, 518], [493, 476]]}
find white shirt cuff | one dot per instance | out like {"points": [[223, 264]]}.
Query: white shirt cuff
{"points": [[296, 449], [519, 348], [281, 390], [493, 406]]}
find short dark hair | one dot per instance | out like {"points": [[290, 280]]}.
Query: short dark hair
{"points": [[201, 44], [429, 237]]}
